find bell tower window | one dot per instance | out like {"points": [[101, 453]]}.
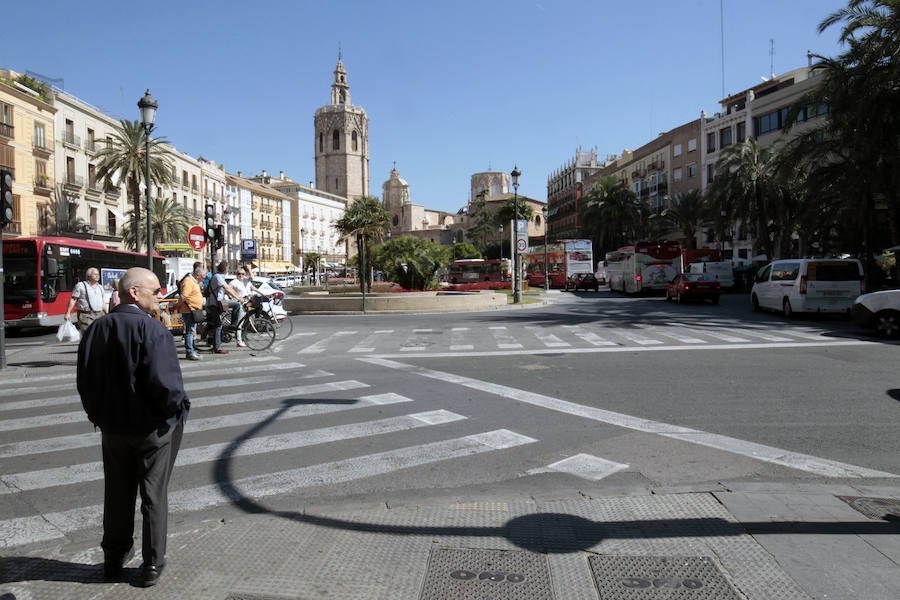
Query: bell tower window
{"points": [[321, 142], [355, 142], [336, 140]]}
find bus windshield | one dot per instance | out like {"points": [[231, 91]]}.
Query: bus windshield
{"points": [[20, 273]]}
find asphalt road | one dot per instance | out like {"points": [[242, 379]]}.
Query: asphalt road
{"points": [[596, 392]]}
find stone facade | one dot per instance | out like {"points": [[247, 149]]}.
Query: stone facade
{"points": [[27, 151], [342, 142]]}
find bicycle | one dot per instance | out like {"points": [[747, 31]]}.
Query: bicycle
{"points": [[257, 328], [283, 326]]}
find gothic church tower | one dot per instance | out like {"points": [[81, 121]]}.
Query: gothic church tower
{"points": [[342, 142]]}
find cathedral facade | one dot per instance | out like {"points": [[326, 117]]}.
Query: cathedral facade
{"points": [[342, 142]]}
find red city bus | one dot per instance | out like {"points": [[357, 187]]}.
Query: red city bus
{"points": [[565, 258], [40, 273], [470, 270]]}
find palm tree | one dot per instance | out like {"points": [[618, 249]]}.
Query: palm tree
{"points": [[689, 211], [124, 161], [170, 222], [411, 262], [612, 213], [367, 221], [854, 152], [746, 188]]}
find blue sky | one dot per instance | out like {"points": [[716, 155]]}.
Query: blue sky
{"points": [[451, 88]]}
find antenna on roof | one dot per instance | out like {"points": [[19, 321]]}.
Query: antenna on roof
{"points": [[772, 58]]}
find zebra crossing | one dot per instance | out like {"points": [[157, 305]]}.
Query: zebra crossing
{"points": [[539, 337], [51, 459]]}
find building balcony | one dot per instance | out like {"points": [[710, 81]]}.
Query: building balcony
{"points": [[112, 194], [43, 186], [74, 181], [7, 130], [95, 186], [71, 139], [92, 146], [40, 149]]}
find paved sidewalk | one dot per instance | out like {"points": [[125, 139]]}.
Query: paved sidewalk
{"points": [[776, 542]]}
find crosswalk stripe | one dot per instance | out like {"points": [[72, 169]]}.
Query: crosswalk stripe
{"points": [[585, 466], [637, 339], [93, 471], [88, 439], [253, 396], [504, 340], [593, 338], [680, 338], [460, 347], [54, 525], [759, 334], [198, 386], [547, 338], [806, 335]]}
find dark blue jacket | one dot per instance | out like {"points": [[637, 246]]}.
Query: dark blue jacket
{"points": [[129, 377]]}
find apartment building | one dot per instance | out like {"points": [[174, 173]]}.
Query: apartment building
{"points": [[564, 194], [311, 224], [26, 150], [659, 170], [268, 212], [760, 111]]}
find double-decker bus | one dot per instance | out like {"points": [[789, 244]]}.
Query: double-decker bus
{"points": [[646, 266], [564, 259], [40, 273], [470, 270]]}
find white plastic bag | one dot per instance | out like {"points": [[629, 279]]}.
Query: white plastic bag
{"points": [[68, 332]]}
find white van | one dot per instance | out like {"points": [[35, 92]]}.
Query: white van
{"points": [[812, 285], [721, 270]]}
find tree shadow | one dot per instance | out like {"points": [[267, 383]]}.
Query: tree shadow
{"points": [[33, 568], [550, 533], [895, 394]]}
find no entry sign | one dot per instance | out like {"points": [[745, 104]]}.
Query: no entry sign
{"points": [[196, 238]]}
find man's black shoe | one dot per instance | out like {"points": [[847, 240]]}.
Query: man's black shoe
{"points": [[112, 569], [150, 574]]}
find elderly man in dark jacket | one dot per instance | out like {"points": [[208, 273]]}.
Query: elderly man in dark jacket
{"points": [[130, 384]]}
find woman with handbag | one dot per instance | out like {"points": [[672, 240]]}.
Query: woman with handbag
{"points": [[190, 305]]}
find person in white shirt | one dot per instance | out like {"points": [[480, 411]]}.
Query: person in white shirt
{"points": [[88, 296], [244, 289]]}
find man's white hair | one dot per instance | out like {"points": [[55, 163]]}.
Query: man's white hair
{"points": [[94, 269]]}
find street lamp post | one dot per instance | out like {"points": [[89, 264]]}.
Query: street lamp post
{"points": [[546, 264], [517, 293], [303, 257], [148, 108]]}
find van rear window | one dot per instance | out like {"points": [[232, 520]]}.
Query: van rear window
{"points": [[833, 271]]}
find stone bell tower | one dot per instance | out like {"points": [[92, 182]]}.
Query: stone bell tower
{"points": [[342, 142]]}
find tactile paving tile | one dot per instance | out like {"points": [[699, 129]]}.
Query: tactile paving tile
{"points": [[660, 578], [885, 509], [468, 574]]}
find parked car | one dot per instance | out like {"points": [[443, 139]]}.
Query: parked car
{"points": [[694, 286], [880, 311], [813, 285], [582, 281]]}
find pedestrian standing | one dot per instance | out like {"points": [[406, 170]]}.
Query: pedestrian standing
{"points": [[87, 298], [130, 385], [191, 302], [220, 297], [245, 290]]}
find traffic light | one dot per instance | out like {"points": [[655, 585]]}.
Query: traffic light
{"points": [[209, 222], [6, 199], [219, 239]]}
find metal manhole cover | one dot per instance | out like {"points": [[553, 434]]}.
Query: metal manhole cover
{"points": [[660, 577], [885, 509], [467, 574]]}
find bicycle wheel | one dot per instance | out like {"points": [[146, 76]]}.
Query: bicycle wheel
{"points": [[283, 327], [258, 332]]}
